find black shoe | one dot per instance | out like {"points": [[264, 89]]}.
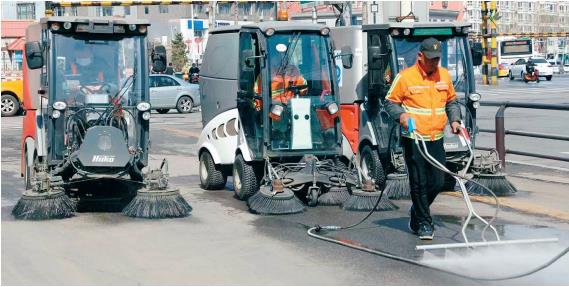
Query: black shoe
{"points": [[413, 226], [425, 231]]}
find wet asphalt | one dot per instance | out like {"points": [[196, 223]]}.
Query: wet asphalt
{"points": [[222, 243]]}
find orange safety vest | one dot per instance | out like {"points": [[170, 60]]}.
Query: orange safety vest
{"points": [[279, 83], [424, 98], [75, 71]]}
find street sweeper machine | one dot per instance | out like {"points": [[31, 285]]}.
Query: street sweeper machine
{"points": [[270, 115], [86, 82], [380, 52]]}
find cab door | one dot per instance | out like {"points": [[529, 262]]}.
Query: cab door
{"points": [[250, 92]]}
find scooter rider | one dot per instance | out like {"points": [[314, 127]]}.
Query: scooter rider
{"points": [[424, 92]]}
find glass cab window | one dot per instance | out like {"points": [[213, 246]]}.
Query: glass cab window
{"points": [[303, 112]]}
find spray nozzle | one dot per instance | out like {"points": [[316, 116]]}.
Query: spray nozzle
{"points": [[411, 127]]}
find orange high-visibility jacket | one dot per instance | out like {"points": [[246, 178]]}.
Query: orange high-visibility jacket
{"points": [[75, 71], [426, 98], [279, 83]]}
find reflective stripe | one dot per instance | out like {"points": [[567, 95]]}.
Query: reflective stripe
{"points": [[440, 111], [424, 137], [419, 87], [393, 85], [417, 111]]}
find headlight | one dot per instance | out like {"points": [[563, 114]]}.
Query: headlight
{"points": [[475, 97], [395, 32], [476, 105], [67, 25], [324, 31], [458, 29], [55, 26], [59, 106], [407, 32], [270, 32], [56, 114], [132, 27], [146, 116], [332, 108], [142, 29], [143, 106], [276, 112]]}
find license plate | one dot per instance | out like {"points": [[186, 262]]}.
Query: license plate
{"points": [[451, 145]]}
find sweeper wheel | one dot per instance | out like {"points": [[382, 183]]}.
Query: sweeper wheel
{"points": [[211, 175], [245, 182], [372, 167], [312, 196]]}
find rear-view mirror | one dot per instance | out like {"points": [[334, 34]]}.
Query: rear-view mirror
{"points": [[476, 51], [34, 55], [159, 59], [347, 57]]}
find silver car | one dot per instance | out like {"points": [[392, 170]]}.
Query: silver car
{"points": [[168, 92]]}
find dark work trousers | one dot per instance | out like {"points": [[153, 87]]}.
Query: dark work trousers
{"points": [[426, 181]]}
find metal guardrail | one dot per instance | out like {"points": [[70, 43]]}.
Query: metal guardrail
{"points": [[501, 132]]}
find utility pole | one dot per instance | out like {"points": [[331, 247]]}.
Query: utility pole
{"points": [[235, 13], [211, 15], [347, 13], [483, 31], [493, 28], [314, 15]]}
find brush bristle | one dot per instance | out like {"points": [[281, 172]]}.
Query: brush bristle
{"points": [[335, 196], [263, 202], [497, 183], [365, 201], [157, 205], [397, 186], [44, 206]]}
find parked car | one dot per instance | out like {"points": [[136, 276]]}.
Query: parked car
{"points": [[169, 92], [544, 68], [12, 96]]}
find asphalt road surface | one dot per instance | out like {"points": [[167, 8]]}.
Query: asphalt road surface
{"points": [[222, 243], [555, 91]]}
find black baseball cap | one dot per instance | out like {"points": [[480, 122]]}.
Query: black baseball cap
{"points": [[431, 48]]}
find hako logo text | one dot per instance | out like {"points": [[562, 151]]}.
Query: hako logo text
{"points": [[103, 158]]}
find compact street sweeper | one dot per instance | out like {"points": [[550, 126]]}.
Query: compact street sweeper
{"points": [[380, 52], [87, 118], [270, 116]]}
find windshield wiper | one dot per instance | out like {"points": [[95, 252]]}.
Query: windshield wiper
{"points": [[289, 49]]}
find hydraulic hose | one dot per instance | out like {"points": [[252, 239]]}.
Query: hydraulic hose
{"points": [[313, 232]]}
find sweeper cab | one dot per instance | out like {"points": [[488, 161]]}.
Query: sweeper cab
{"points": [[86, 82], [380, 52], [270, 112]]}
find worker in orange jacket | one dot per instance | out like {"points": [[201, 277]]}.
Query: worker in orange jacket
{"points": [[425, 93]]}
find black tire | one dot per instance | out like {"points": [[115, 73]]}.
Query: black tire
{"points": [[163, 111], [511, 76], [211, 176], [245, 182], [372, 164], [184, 105], [548, 78], [10, 105]]}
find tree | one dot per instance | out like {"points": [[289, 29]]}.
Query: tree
{"points": [[179, 52]]}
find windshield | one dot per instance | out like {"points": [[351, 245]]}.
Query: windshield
{"points": [[453, 57], [96, 70], [301, 82]]}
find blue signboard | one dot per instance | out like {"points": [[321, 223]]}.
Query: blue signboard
{"points": [[18, 56], [196, 25]]}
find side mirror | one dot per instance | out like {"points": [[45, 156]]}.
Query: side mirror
{"points": [[347, 57], [34, 55], [476, 51], [159, 59]]}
